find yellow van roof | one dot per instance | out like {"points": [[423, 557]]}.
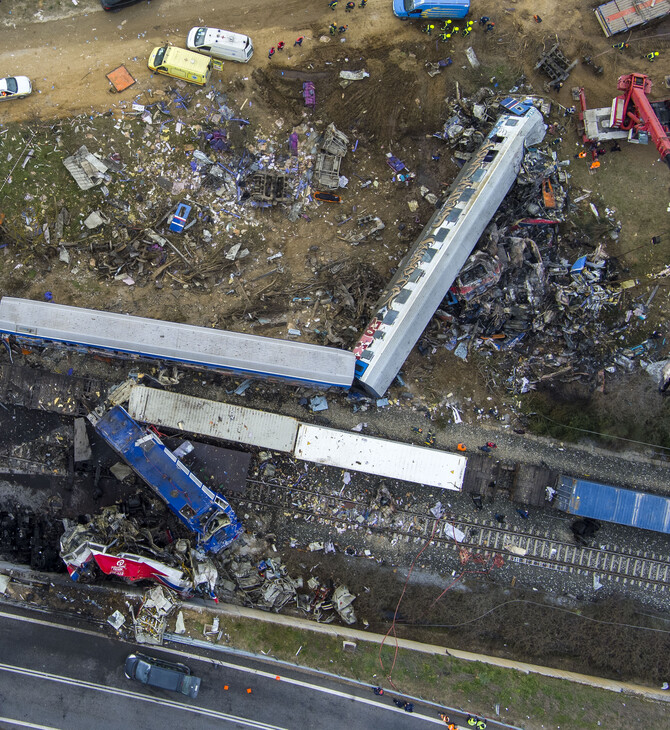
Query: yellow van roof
{"points": [[186, 59]]}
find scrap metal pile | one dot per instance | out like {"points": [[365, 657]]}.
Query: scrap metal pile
{"points": [[547, 305], [28, 538], [127, 198], [137, 541], [542, 311], [267, 585]]}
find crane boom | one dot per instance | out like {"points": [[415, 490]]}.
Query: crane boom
{"points": [[638, 112]]}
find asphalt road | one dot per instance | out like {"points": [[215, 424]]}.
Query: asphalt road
{"points": [[54, 676]]}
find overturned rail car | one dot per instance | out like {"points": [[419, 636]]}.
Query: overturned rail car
{"points": [[619, 16], [122, 335], [204, 512], [437, 256]]}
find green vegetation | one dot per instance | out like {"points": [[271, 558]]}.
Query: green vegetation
{"points": [[581, 418], [528, 700]]}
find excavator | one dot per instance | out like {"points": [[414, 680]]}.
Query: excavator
{"points": [[634, 111]]}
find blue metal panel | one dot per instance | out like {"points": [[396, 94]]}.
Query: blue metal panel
{"points": [[198, 507], [431, 8], [614, 504], [179, 218]]}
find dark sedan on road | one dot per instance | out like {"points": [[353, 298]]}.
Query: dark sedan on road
{"points": [[162, 674]]}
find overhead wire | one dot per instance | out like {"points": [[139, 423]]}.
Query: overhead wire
{"points": [[395, 613]]}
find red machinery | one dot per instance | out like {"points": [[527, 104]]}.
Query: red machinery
{"points": [[635, 111]]}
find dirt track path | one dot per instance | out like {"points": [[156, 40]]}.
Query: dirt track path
{"points": [[67, 59]]}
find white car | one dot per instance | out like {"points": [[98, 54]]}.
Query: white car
{"points": [[15, 87]]}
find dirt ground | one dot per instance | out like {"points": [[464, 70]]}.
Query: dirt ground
{"points": [[68, 49]]}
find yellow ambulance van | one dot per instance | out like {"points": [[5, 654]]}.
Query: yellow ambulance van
{"points": [[182, 64]]}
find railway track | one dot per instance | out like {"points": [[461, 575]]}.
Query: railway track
{"points": [[481, 537]]}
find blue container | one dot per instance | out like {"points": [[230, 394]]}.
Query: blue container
{"points": [[430, 9], [613, 504], [180, 217]]}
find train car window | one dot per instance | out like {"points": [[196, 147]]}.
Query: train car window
{"points": [[442, 234]]}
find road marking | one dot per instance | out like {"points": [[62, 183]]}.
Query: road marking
{"points": [[36, 674], [31, 725], [308, 685], [229, 665], [42, 622]]}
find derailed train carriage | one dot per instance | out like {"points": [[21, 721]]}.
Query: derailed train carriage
{"points": [[592, 500], [122, 335], [429, 269]]}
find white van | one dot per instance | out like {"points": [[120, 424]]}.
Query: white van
{"points": [[222, 44]]}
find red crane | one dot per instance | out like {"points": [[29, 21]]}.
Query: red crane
{"points": [[635, 111]]}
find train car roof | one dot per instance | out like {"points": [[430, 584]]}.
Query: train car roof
{"points": [[201, 346]]}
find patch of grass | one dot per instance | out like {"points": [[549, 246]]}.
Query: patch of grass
{"points": [[570, 420], [529, 700]]}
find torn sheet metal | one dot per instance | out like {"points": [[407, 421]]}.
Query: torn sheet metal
{"points": [[87, 169]]}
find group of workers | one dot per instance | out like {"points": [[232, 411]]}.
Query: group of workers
{"points": [[281, 45], [476, 722], [472, 720], [651, 56], [337, 29], [448, 28], [349, 6]]}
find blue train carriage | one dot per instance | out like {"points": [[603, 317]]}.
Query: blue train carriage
{"points": [[583, 498], [431, 8], [199, 508]]}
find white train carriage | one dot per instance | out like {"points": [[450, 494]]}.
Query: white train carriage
{"points": [[443, 246], [123, 335]]}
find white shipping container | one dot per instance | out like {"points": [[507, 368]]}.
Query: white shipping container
{"points": [[392, 459], [209, 418]]}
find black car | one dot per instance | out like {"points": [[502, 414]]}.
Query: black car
{"points": [[117, 4], [162, 674]]}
